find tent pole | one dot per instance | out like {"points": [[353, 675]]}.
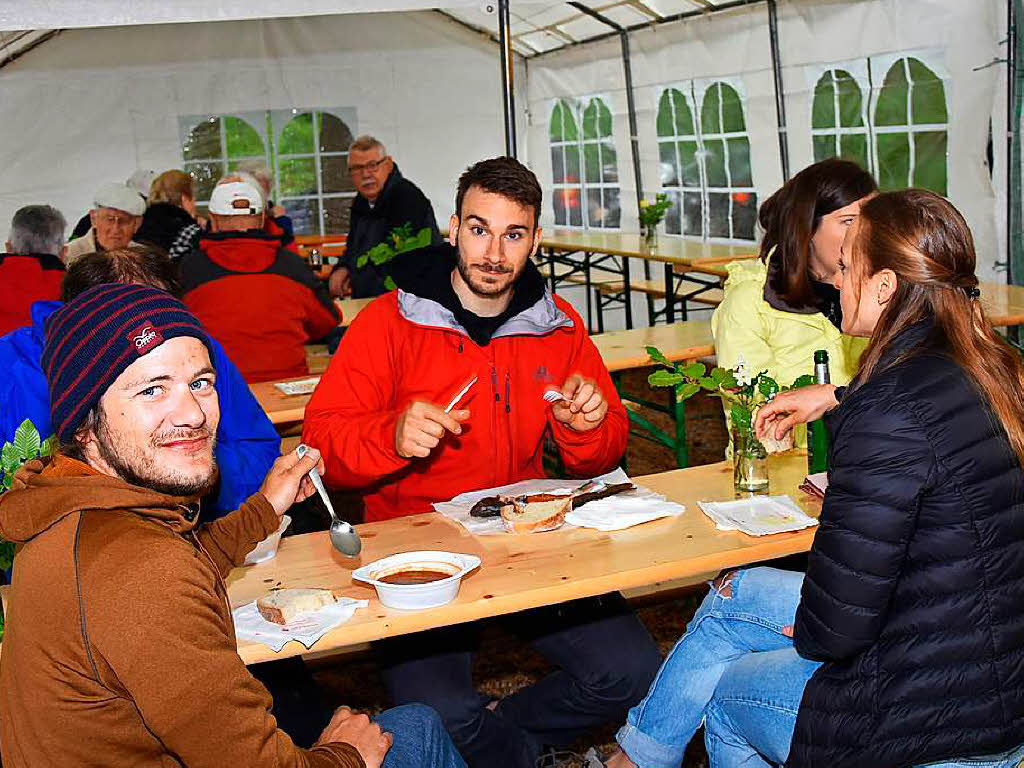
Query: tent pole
{"points": [[780, 99], [508, 99], [1014, 256]]}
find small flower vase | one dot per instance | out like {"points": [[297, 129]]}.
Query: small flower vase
{"points": [[750, 462], [650, 233]]}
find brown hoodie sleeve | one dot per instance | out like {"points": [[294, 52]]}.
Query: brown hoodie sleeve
{"points": [[232, 537], [159, 634]]}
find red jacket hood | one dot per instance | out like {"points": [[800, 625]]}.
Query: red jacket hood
{"points": [[242, 251]]}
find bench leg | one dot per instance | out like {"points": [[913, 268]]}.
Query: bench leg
{"points": [[600, 310]]}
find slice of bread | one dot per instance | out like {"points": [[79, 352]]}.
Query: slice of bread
{"points": [[533, 514], [282, 605]]}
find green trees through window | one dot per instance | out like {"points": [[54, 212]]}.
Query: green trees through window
{"points": [[705, 163], [309, 160], [905, 144], [584, 166]]}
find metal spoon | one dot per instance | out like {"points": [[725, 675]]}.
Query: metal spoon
{"points": [[343, 536]]}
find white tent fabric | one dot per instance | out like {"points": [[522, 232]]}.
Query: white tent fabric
{"points": [[956, 39], [91, 106]]}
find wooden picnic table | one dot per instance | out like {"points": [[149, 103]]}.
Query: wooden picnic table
{"points": [[531, 570], [621, 350], [684, 259], [1004, 304]]}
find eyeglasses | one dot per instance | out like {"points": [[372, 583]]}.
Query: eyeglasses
{"points": [[115, 220], [355, 170]]}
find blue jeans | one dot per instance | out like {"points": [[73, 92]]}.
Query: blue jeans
{"points": [[735, 671], [421, 740]]}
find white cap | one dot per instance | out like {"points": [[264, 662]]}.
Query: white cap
{"points": [[141, 181], [118, 196], [236, 198]]}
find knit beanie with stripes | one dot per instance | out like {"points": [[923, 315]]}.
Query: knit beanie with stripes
{"points": [[92, 339]]}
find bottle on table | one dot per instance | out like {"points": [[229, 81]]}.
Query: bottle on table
{"points": [[817, 435]]}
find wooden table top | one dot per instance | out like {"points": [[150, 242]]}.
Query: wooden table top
{"points": [[349, 308], [621, 350], [1004, 304], [532, 570], [673, 250]]}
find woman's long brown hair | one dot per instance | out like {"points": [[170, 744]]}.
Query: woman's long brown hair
{"points": [[925, 241], [791, 216]]}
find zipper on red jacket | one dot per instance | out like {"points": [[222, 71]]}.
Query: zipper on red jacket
{"points": [[508, 393], [494, 383]]}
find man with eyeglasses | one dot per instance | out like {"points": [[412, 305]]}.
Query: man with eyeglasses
{"points": [[386, 201], [116, 216]]}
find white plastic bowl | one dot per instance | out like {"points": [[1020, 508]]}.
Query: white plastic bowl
{"points": [[267, 548], [415, 597]]}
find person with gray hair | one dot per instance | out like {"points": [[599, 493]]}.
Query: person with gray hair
{"points": [[385, 201], [277, 222], [32, 269], [116, 216]]}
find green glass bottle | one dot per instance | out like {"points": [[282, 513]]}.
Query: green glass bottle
{"points": [[817, 435]]}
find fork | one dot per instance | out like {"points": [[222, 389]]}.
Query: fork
{"points": [[553, 396]]}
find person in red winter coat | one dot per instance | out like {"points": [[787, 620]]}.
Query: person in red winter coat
{"points": [[478, 309]]}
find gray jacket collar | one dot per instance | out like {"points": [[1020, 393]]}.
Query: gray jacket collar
{"points": [[540, 319]]}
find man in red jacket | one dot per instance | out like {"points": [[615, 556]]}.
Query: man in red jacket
{"points": [[260, 301], [32, 269], [478, 308]]}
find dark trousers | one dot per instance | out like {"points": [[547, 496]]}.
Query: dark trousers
{"points": [[300, 706], [606, 662]]}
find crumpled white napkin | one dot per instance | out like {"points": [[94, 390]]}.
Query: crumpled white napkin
{"points": [[611, 514], [307, 628], [758, 516], [300, 387]]}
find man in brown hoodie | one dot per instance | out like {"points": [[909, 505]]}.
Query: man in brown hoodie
{"points": [[120, 647]]}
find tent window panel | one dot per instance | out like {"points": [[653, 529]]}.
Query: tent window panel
{"points": [[849, 100], [739, 163], [824, 147], [557, 165], [297, 177], [335, 136], [718, 214], [690, 164], [573, 203], [297, 136], [930, 161], [203, 142], [592, 162], [893, 160], [305, 213], [609, 164], [612, 209], [674, 214], [572, 165], [893, 97], [693, 213], [854, 146], [823, 112], [205, 176], [558, 201], [714, 163], [928, 97], [337, 213], [242, 139], [334, 175], [744, 214], [595, 208], [668, 165]]}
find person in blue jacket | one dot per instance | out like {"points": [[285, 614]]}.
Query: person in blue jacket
{"points": [[247, 443]]}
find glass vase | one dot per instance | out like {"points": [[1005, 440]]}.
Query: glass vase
{"points": [[650, 235], [750, 462]]}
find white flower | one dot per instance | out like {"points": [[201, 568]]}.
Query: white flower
{"points": [[740, 371]]}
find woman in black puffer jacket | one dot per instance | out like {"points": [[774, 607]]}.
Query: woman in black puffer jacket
{"points": [[169, 221], [908, 629]]}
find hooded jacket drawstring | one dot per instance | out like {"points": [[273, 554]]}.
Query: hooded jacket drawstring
{"points": [[508, 393]]}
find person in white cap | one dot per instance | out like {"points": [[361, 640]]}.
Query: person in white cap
{"points": [[115, 217], [256, 298]]}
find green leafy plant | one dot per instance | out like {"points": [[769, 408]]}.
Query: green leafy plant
{"points": [[399, 241], [26, 445], [651, 214], [744, 393]]}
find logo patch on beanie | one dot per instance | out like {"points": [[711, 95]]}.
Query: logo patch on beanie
{"points": [[145, 337]]}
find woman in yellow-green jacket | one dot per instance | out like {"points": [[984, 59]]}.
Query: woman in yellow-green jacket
{"points": [[780, 308]]}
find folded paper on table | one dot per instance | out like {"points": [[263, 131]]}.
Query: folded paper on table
{"points": [[307, 628], [758, 516], [613, 513], [300, 387]]}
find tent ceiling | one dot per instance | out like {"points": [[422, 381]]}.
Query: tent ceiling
{"points": [[537, 27]]}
